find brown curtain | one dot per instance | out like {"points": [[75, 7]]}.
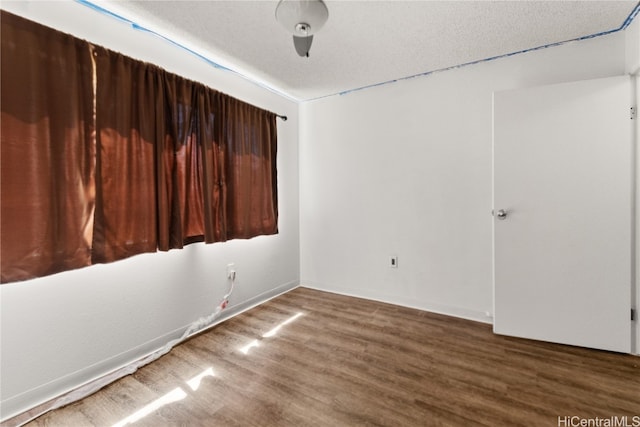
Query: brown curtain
{"points": [[188, 164], [105, 157], [47, 151], [213, 166], [209, 132], [128, 101], [250, 175]]}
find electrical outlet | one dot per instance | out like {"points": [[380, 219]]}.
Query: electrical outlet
{"points": [[231, 271], [393, 261]]}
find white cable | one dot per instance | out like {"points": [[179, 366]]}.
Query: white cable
{"points": [[93, 386]]}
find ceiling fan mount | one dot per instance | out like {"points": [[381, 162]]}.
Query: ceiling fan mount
{"points": [[302, 18]]}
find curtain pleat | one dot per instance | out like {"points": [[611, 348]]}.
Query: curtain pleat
{"points": [[47, 151], [208, 107], [188, 171], [126, 120], [170, 235], [250, 173], [183, 181]]}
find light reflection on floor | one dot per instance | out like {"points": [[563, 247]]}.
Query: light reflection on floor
{"points": [[178, 393], [194, 382], [174, 395], [269, 334]]}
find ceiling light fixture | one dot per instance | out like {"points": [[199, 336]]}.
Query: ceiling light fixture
{"points": [[302, 18]]}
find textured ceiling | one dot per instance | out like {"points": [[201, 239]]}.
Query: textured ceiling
{"points": [[368, 42]]}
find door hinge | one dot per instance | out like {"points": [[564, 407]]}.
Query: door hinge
{"points": [[633, 314], [633, 112]]}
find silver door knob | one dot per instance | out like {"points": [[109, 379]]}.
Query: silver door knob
{"points": [[501, 214]]}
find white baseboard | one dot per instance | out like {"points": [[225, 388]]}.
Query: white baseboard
{"points": [[461, 312], [46, 394]]}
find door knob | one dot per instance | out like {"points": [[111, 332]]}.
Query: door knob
{"points": [[501, 214]]}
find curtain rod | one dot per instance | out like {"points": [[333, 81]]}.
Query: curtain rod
{"points": [[284, 118]]}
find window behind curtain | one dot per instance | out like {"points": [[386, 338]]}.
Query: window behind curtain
{"points": [[47, 151]]}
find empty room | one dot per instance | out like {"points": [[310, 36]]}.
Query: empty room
{"points": [[319, 213]]}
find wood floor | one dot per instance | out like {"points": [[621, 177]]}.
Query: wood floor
{"points": [[341, 361]]}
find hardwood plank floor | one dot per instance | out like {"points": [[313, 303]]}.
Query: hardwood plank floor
{"points": [[332, 360]]}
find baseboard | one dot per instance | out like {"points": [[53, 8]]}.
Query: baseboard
{"points": [[22, 408], [463, 313]]}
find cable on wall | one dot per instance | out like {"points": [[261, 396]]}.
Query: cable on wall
{"points": [[93, 386]]}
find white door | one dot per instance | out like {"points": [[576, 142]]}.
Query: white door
{"points": [[563, 177]]}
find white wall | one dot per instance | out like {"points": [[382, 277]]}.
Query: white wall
{"points": [[60, 331], [405, 168], [632, 34]]}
